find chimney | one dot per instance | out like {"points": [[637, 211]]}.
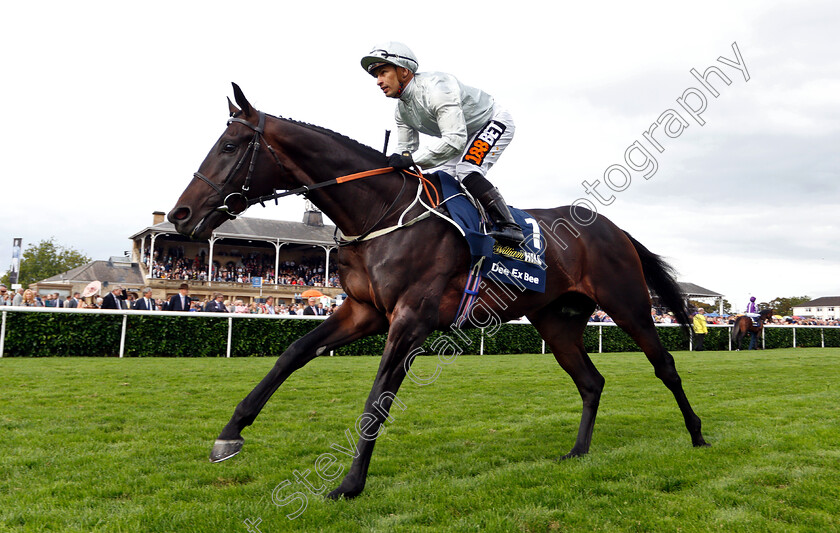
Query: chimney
{"points": [[158, 217], [312, 216]]}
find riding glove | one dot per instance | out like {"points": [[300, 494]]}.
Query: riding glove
{"points": [[400, 161]]}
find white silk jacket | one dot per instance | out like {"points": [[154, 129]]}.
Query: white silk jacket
{"points": [[437, 104]]}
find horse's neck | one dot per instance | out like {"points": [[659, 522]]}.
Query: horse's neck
{"points": [[317, 157]]}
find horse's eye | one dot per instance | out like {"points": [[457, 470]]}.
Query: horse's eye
{"points": [[229, 147]]}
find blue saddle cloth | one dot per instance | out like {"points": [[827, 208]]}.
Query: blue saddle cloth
{"points": [[523, 266]]}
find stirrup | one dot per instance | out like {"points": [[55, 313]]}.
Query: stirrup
{"points": [[511, 235]]}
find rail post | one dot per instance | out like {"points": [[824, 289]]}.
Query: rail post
{"points": [[3, 335], [122, 336]]}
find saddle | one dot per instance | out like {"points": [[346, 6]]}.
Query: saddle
{"points": [[523, 265]]}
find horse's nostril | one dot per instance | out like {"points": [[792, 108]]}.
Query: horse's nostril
{"points": [[180, 214]]}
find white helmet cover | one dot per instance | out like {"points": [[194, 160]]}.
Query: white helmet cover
{"points": [[392, 52]]}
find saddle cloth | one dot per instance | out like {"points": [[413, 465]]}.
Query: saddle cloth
{"points": [[522, 266]]}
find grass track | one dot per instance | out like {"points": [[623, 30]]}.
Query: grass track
{"points": [[121, 445]]}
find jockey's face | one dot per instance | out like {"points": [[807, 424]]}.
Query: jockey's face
{"points": [[392, 79]]}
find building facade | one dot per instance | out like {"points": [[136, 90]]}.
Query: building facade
{"points": [[824, 308]]}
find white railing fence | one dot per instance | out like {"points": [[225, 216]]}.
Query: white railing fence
{"points": [[5, 310]]}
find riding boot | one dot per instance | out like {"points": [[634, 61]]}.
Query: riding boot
{"points": [[507, 230]]}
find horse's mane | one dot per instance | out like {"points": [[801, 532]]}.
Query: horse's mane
{"points": [[342, 139]]}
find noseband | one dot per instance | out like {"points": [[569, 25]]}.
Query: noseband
{"points": [[228, 205]]}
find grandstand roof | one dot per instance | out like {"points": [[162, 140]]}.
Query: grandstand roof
{"points": [[113, 271], [259, 229], [690, 289]]}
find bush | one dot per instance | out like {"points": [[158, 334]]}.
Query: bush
{"points": [[68, 334]]}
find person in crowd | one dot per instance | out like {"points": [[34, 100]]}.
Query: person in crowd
{"points": [[146, 303], [182, 300], [80, 302], [114, 299], [5, 296], [29, 300], [18, 297], [240, 307], [217, 304], [268, 307], [313, 308], [700, 329]]}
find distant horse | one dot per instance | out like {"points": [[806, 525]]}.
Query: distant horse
{"points": [[405, 274], [744, 324]]}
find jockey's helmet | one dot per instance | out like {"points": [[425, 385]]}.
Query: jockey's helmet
{"points": [[393, 53]]}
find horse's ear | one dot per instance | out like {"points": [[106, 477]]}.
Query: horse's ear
{"points": [[239, 96], [232, 108]]}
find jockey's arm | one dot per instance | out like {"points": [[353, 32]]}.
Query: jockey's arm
{"points": [[446, 106], [408, 139]]}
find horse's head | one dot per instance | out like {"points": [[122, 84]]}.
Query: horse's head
{"points": [[234, 172], [765, 315]]}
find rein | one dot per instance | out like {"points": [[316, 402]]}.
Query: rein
{"points": [[229, 203]]}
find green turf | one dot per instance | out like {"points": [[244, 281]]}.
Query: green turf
{"points": [[121, 445]]}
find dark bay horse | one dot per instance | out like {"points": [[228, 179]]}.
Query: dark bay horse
{"points": [[744, 324], [409, 282]]}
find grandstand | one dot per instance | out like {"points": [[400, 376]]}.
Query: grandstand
{"points": [[286, 257]]}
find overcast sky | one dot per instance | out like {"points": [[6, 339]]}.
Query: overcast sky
{"points": [[111, 106]]}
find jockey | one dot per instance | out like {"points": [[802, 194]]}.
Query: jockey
{"points": [[752, 311], [473, 130]]}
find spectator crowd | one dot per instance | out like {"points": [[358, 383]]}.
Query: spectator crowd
{"points": [[241, 269], [663, 316], [124, 299]]}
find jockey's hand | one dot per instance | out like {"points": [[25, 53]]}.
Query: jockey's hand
{"points": [[400, 161]]}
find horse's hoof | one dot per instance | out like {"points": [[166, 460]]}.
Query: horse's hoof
{"points": [[572, 454], [348, 493], [225, 449]]}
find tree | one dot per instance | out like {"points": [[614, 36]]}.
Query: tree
{"points": [[46, 259], [784, 306], [694, 304]]}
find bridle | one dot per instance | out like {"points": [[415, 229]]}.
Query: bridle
{"points": [[227, 206]]}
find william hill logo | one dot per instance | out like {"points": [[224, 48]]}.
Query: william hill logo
{"points": [[512, 253]]}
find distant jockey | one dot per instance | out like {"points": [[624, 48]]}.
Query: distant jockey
{"points": [[752, 311]]}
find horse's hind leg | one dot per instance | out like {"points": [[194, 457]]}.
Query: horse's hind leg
{"points": [[561, 324], [633, 316], [351, 321]]}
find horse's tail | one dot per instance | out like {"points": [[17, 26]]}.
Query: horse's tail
{"points": [[660, 278], [735, 327]]}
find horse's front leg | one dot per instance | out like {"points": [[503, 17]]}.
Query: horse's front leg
{"points": [[407, 333], [351, 321]]}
